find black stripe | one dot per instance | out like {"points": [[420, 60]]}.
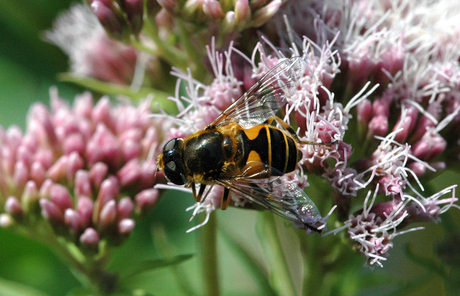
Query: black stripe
{"points": [[278, 148], [292, 160]]}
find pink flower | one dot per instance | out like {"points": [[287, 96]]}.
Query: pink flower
{"points": [[78, 164]]}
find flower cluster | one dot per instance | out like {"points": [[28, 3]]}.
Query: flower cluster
{"points": [[383, 78], [404, 122], [88, 170]]}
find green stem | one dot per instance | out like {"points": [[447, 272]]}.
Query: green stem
{"points": [[280, 276], [314, 271], [256, 269], [44, 234], [194, 56], [209, 257], [162, 49]]}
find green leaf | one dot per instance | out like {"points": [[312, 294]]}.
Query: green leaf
{"points": [[147, 265], [10, 288]]}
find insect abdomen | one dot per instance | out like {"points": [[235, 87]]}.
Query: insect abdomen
{"points": [[272, 147]]}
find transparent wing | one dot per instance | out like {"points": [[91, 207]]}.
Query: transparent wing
{"points": [[265, 97], [282, 197]]}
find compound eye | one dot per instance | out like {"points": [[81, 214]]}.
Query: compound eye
{"points": [[170, 145], [174, 173], [171, 166]]}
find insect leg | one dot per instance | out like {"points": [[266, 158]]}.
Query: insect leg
{"points": [[200, 193], [225, 199]]}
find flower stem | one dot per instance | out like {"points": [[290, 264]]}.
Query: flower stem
{"points": [[280, 277], [209, 257]]}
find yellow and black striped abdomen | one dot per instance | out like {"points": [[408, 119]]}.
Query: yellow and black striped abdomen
{"points": [[272, 147]]}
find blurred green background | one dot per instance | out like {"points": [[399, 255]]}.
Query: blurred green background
{"points": [[28, 67]]}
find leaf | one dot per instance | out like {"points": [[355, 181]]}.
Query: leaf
{"points": [[137, 268], [11, 288]]}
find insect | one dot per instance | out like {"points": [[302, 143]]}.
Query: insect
{"points": [[241, 151]]}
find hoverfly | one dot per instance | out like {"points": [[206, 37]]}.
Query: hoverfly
{"points": [[241, 151]]}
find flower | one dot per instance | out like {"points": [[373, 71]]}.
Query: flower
{"points": [[88, 170], [400, 124]]}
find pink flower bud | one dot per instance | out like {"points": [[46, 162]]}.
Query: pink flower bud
{"points": [[24, 155], [101, 113], [58, 171], [85, 208], [89, 237], [109, 19], [13, 206], [21, 174], [83, 105], [75, 163], [430, 146], [126, 226], [98, 173], [213, 9], [37, 173], [264, 14], [125, 208], [242, 11], [39, 122], [378, 126], [44, 157], [72, 219], [145, 200], [131, 150], [82, 184], [130, 173], [108, 216], [29, 197], [50, 211], [364, 112], [109, 190], [74, 143], [45, 188], [104, 147], [60, 197]]}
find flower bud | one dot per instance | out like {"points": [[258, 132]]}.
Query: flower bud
{"points": [[72, 220], [104, 147], [126, 226], [89, 237], [213, 9], [13, 207], [83, 184], [125, 208], [264, 14], [134, 11], [60, 197], [145, 200], [110, 20], [29, 197], [85, 208], [108, 216], [98, 173], [51, 212]]}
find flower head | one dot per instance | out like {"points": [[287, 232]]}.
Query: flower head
{"points": [[88, 169]]}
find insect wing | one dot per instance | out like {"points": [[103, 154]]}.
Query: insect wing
{"points": [[284, 198], [266, 96]]}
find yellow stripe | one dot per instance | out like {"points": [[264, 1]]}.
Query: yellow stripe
{"points": [[269, 141], [252, 133], [253, 156]]}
